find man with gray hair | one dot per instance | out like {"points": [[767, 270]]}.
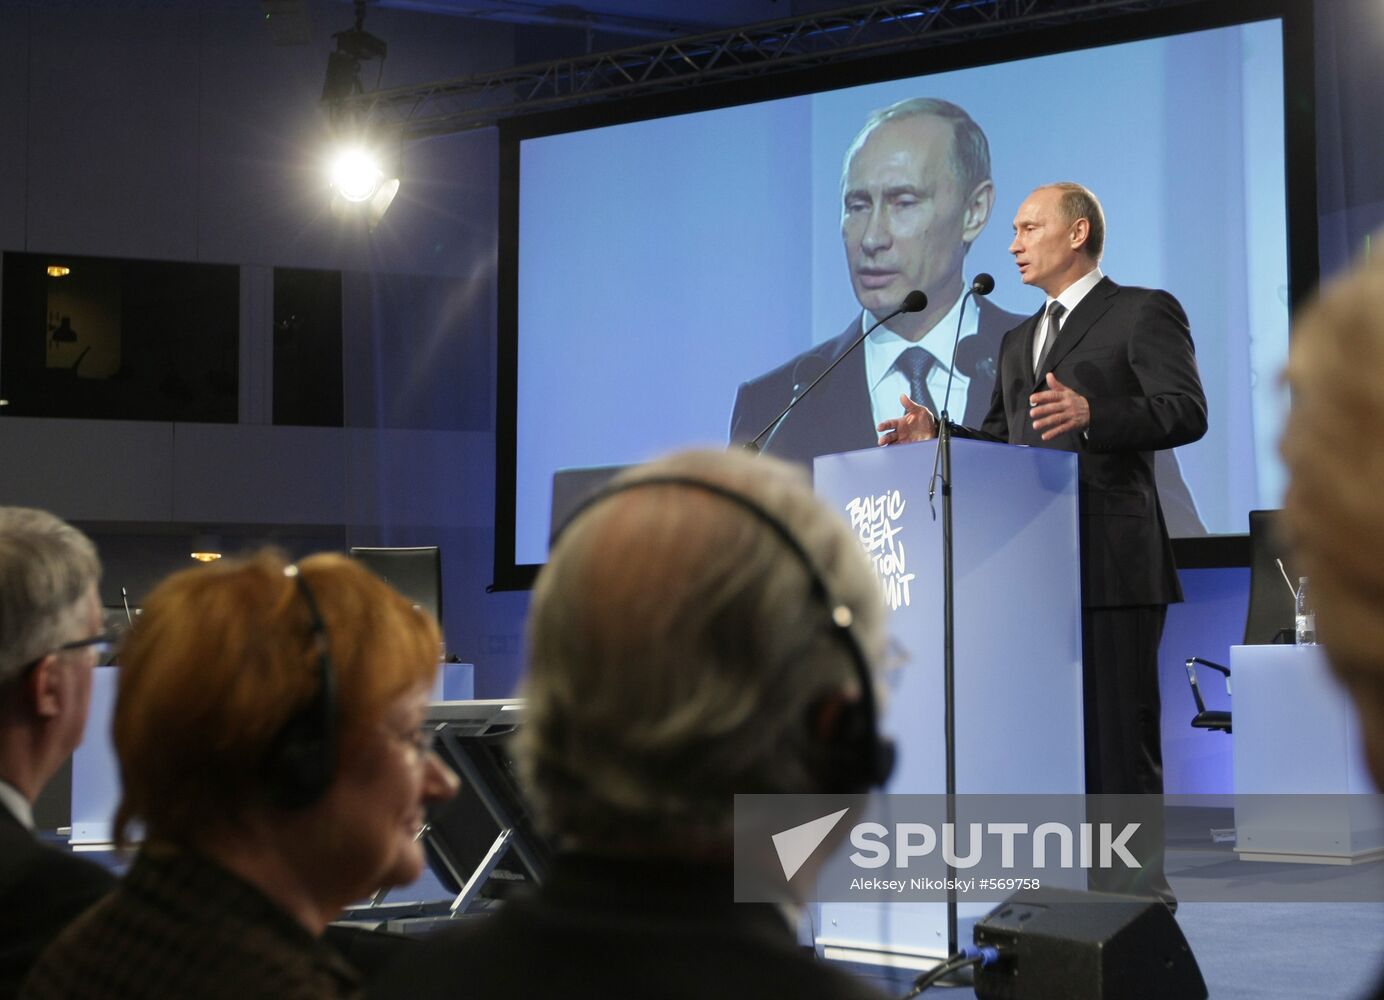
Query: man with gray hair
{"points": [[704, 627], [50, 640]]}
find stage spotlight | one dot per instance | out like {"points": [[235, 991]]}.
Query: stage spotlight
{"points": [[363, 183], [355, 173]]}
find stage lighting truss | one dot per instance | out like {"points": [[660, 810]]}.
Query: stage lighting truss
{"points": [[469, 102]]}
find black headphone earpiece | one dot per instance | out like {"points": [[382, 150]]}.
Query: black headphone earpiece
{"points": [[858, 757], [301, 760]]}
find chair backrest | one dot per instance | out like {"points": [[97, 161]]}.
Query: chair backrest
{"points": [[415, 572], [1271, 599]]}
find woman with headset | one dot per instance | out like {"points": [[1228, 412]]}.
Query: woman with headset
{"points": [[268, 725]]}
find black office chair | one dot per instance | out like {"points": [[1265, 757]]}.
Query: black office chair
{"points": [[1269, 618]]}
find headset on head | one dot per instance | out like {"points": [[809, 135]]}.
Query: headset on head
{"points": [[860, 757], [301, 760]]}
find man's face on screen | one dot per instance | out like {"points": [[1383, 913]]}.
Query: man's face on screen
{"points": [[903, 215]]}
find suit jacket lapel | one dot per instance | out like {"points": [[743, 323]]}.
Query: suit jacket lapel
{"points": [[1024, 343], [1078, 324]]}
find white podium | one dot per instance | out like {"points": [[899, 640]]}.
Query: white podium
{"points": [[1017, 644]]}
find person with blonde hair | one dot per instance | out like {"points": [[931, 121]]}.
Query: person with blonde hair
{"points": [[1336, 465], [268, 725], [705, 626], [1332, 446]]}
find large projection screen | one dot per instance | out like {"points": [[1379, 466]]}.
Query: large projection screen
{"points": [[651, 265]]}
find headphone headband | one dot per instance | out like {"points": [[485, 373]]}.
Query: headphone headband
{"points": [[301, 760], [867, 758]]}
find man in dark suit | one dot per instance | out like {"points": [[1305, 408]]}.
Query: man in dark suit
{"points": [[1108, 372], [50, 639]]}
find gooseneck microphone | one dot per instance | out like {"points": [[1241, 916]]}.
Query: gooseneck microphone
{"points": [[981, 284], [914, 301]]}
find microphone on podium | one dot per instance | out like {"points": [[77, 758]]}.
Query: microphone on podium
{"points": [[914, 301], [981, 284]]}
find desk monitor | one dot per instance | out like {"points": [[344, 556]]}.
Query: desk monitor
{"points": [[572, 486], [415, 572]]}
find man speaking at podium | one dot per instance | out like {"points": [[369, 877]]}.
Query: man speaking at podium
{"points": [[915, 193], [1109, 372]]}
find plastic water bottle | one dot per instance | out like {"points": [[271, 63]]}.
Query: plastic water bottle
{"points": [[1306, 615]]}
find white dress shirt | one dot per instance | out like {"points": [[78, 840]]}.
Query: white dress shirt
{"points": [[17, 804], [1071, 296], [883, 347]]}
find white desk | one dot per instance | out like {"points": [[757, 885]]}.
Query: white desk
{"points": [[1297, 735]]}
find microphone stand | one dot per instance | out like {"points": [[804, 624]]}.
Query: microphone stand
{"points": [[943, 458], [944, 438]]}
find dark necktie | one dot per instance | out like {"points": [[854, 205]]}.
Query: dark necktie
{"points": [[1055, 312], [916, 363]]}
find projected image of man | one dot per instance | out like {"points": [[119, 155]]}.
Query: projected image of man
{"points": [[915, 193]]}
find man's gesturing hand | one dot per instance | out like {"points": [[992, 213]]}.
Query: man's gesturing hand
{"points": [[916, 424], [1057, 410]]}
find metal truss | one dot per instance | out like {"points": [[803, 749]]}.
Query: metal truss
{"points": [[469, 102]]}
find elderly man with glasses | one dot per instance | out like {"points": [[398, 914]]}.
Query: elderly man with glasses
{"points": [[50, 639]]}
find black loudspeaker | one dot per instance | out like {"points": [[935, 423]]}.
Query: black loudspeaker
{"points": [[1058, 944]]}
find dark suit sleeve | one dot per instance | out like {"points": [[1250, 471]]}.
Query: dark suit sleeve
{"points": [[995, 427], [1170, 407], [52, 890]]}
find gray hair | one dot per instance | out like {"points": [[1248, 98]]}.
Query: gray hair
{"points": [[1079, 202], [970, 152], [676, 650], [46, 568]]}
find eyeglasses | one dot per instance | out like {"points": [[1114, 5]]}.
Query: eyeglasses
{"points": [[100, 644]]}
